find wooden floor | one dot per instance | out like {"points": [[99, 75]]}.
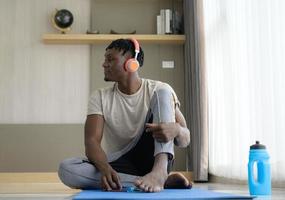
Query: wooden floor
{"points": [[33, 186], [14, 186]]}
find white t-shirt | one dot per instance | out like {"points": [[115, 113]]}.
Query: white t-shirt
{"points": [[124, 115]]}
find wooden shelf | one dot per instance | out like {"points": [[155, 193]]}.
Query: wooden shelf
{"points": [[106, 38]]}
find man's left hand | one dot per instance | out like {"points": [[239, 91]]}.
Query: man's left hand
{"points": [[163, 132]]}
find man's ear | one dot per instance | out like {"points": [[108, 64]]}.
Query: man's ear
{"points": [[124, 65]]}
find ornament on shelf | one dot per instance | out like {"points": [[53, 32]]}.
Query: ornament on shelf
{"points": [[62, 20]]}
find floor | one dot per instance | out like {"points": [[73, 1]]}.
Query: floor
{"points": [[44, 187]]}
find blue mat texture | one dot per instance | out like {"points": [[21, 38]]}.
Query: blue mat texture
{"points": [[167, 194]]}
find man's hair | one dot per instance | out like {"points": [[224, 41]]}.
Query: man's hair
{"points": [[127, 45]]}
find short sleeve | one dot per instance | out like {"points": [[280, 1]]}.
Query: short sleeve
{"points": [[95, 103]]}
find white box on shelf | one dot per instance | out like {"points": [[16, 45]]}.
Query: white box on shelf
{"points": [[158, 24]]}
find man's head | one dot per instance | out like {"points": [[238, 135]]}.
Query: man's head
{"points": [[116, 56]]}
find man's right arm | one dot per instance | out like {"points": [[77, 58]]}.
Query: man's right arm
{"points": [[93, 135]]}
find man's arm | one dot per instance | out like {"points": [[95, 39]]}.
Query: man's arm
{"points": [[182, 139], [165, 132], [93, 135]]}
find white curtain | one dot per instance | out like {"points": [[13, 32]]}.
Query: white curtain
{"points": [[245, 61]]}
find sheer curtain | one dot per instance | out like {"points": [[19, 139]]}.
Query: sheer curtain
{"points": [[245, 61], [196, 90]]}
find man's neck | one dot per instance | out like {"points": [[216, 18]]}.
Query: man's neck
{"points": [[130, 86]]}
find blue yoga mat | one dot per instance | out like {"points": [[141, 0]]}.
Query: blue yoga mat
{"points": [[173, 194]]}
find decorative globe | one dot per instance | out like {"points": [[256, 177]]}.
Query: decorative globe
{"points": [[62, 20]]}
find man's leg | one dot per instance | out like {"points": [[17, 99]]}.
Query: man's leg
{"points": [[79, 173], [162, 110]]}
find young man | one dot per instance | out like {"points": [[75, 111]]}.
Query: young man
{"points": [[130, 130]]}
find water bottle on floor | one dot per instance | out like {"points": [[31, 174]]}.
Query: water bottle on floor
{"points": [[261, 184]]}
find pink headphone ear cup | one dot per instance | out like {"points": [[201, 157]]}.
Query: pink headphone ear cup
{"points": [[132, 65]]}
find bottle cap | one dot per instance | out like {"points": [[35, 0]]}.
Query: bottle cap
{"points": [[257, 145]]}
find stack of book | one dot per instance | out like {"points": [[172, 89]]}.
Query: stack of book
{"points": [[168, 22]]}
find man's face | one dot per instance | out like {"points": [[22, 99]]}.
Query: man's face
{"points": [[114, 65]]}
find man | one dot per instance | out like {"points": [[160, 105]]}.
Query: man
{"points": [[130, 130]]}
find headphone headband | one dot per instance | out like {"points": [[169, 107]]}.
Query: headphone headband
{"points": [[136, 44], [137, 47]]}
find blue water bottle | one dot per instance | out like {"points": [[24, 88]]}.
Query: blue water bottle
{"points": [[262, 184]]}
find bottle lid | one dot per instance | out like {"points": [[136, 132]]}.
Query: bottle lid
{"points": [[257, 145]]}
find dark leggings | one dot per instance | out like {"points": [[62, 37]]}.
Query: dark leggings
{"points": [[139, 160]]}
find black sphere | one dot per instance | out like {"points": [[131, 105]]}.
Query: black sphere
{"points": [[63, 18]]}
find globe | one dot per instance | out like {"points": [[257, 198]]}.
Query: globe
{"points": [[62, 20]]}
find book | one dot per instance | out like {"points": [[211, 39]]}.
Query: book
{"points": [[168, 21], [162, 17]]}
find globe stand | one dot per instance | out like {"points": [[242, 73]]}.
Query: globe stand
{"points": [[62, 30]]}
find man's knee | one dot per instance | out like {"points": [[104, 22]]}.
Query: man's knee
{"points": [[164, 95], [163, 106], [71, 174], [66, 173]]}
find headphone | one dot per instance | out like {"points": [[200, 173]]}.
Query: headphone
{"points": [[132, 64]]}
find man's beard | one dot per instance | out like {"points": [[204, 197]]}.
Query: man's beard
{"points": [[106, 79]]}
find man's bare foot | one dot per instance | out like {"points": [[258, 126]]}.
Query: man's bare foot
{"points": [[177, 180], [152, 182]]}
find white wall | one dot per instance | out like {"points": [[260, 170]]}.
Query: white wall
{"points": [[44, 86], [42, 83]]}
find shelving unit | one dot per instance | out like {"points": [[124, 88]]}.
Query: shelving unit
{"points": [[106, 38]]}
